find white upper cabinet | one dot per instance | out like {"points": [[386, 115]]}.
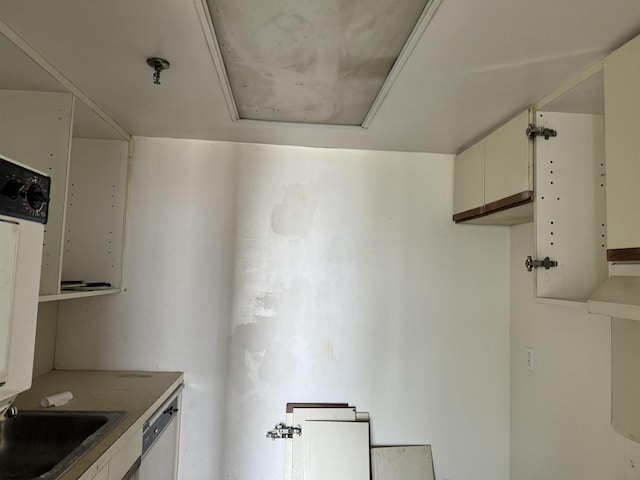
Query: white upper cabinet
{"points": [[35, 131], [622, 134], [469, 178], [50, 129], [570, 208], [509, 161], [493, 179], [83, 238]]}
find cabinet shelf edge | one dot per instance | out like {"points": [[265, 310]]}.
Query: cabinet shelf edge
{"points": [[623, 254], [70, 295], [506, 203]]}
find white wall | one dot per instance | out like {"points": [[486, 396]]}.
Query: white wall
{"points": [[561, 412], [46, 330], [273, 274]]}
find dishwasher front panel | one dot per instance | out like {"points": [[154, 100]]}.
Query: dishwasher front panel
{"points": [[160, 442]]}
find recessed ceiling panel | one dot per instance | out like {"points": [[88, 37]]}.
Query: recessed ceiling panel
{"points": [[309, 61]]}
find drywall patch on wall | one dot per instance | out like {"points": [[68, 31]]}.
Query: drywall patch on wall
{"points": [[253, 362], [294, 216], [258, 360], [265, 352], [265, 306]]}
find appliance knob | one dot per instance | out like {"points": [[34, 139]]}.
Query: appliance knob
{"points": [[36, 196], [12, 189]]}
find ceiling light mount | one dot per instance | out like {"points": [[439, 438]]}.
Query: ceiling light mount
{"points": [[158, 65]]}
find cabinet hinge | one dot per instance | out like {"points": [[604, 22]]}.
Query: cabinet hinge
{"points": [[282, 431], [530, 263], [533, 132]]}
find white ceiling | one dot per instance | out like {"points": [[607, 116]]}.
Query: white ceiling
{"points": [[477, 64]]}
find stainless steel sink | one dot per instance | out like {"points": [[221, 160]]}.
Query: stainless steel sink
{"points": [[44, 445]]}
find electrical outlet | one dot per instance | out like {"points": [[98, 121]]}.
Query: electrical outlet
{"points": [[531, 357]]}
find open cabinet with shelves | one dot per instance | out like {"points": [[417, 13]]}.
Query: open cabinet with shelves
{"points": [[90, 261], [35, 130], [96, 198], [570, 206], [47, 126]]}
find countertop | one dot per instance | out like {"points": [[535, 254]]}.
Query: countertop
{"points": [[138, 393]]}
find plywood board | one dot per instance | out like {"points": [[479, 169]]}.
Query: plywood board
{"points": [[412, 462]]}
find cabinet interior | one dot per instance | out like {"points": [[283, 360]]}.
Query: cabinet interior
{"points": [[570, 201]]}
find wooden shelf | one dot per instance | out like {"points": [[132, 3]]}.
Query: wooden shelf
{"points": [[623, 254]]}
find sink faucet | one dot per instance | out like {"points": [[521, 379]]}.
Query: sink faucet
{"points": [[10, 412]]}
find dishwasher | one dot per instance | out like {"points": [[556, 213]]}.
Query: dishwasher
{"points": [[160, 437]]}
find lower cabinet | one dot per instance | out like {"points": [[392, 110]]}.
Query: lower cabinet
{"points": [[123, 465], [102, 474]]}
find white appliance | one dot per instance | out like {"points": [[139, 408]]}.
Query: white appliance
{"points": [[160, 439], [24, 198]]}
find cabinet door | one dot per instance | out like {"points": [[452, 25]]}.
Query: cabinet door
{"points": [[333, 445], [622, 103], [9, 232], [122, 462], [102, 474], [295, 458], [509, 160], [335, 451], [469, 178], [161, 460]]}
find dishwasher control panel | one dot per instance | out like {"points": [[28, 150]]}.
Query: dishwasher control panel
{"points": [[153, 428]]}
